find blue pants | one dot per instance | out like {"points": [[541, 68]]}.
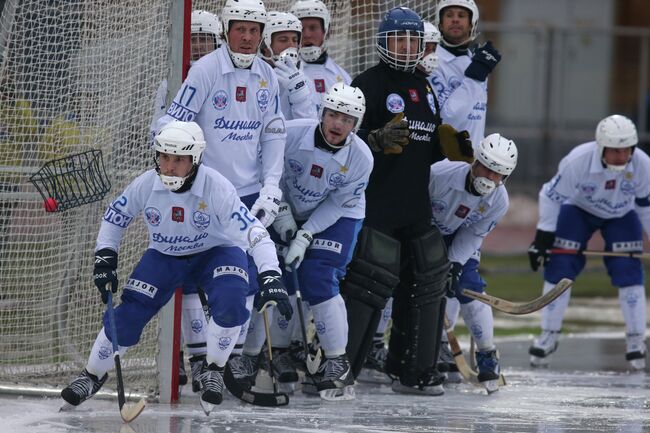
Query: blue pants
{"points": [[221, 271], [470, 279], [574, 229], [325, 261]]}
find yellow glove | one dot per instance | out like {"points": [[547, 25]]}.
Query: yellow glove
{"points": [[392, 137], [456, 146]]}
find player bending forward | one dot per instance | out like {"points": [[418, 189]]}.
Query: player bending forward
{"points": [[199, 232]]}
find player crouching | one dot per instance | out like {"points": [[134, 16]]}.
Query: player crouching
{"points": [[199, 232]]}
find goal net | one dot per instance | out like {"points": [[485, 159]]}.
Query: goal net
{"points": [[76, 76]]}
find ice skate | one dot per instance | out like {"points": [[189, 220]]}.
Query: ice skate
{"points": [[182, 374], [447, 364], [430, 383], [337, 381], [81, 389], [373, 370], [197, 365], [487, 362], [542, 347], [636, 351], [284, 370], [212, 386], [244, 370]]}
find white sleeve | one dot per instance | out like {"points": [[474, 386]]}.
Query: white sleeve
{"points": [[120, 213], [244, 229], [272, 139], [159, 105], [464, 244], [304, 107], [458, 103]]}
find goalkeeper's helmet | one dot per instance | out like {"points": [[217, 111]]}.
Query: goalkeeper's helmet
{"points": [[242, 10], [398, 23], [179, 138], [282, 22], [617, 132], [347, 100], [312, 9], [498, 154], [431, 35], [467, 4]]}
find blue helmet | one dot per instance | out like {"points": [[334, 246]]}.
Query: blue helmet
{"points": [[398, 23]]}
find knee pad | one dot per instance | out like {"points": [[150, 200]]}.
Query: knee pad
{"points": [[372, 276], [418, 309]]}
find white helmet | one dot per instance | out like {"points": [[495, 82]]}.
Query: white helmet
{"points": [[242, 10], [344, 99], [179, 138], [312, 9], [431, 35], [467, 4], [499, 155], [280, 22], [617, 132], [207, 22]]}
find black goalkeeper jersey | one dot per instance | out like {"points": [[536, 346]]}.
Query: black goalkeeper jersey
{"points": [[398, 191]]}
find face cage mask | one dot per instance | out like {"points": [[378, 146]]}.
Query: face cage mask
{"points": [[311, 54], [289, 53], [615, 168], [483, 185], [390, 57]]}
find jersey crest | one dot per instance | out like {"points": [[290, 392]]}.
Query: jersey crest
{"points": [[178, 214], [319, 84], [394, 103], [240, 94]]}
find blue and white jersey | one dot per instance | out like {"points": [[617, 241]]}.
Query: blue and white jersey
{"points": [[321, 187], [159, 106], [583, 181], [455, 210], [463, 100], [239, 112], [323, 76], [210, 214]]}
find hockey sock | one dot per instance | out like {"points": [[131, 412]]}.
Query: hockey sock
{"points": [[451, 310], [256, 333], [281, 329], [479, 320], [221, 341], [553, 313], [383, 321], [244, 329], [193, 325], [633, 306], [100, 359], [331, 325]]}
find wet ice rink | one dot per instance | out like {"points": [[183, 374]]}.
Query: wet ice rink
{"points": [[586, 389]]}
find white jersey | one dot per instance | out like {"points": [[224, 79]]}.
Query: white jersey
{"points": [[304, 108], [582, 181], [210, 214], [463, 100], [159, 105], [320, 186], [323, 76], [455, 210], [239, 112]]}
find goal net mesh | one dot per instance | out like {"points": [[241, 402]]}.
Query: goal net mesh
{"points": [[77, 76]]}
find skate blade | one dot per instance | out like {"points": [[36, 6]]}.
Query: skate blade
{"points": [[67, 407], [537, 362], [338, 394], [491, 386], [206, 406], [435, 390], [129, 413], [373, 376]]}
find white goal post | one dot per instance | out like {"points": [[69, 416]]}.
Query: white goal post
{"points": [[78, 75]]}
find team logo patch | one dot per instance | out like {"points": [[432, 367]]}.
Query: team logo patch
{"points": [[178, 214], [221, 271], [319, 84], [105, 352], [275, 126], [220, 99], [240, 94], [349, 204], [588, 189], [461, 211], [610, 184], [296, 167], [153, 216], [197, 326], [316, 171], [394, 103], [438, 206], [413, 94], [263, 96], [327, 245], [200, 220], [255, 235], [627, 187], [141, 287], [336, 180], [320, 327], [282, 323], [224, 343]]}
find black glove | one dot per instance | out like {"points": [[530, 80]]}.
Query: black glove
{"points": [[105, 272], [272, 290], [454, 278], [456, 146], [392, 137], [484, 60], [537, 252]]}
